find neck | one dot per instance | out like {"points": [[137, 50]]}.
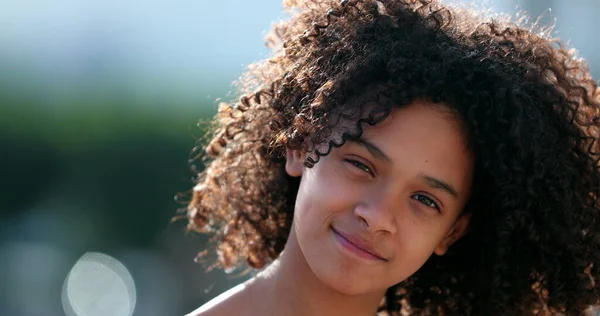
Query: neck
{"points": [[289, 287]]}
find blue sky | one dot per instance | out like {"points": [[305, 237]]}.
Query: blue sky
{"points": [[150, 38], [176, 43]]}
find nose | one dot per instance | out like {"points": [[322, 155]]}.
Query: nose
{"points": [[377, 217]]}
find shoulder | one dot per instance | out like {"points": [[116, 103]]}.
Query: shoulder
{"points": [[231, 302]]}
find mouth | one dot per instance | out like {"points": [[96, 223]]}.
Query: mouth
{"points": [[356, 247]]}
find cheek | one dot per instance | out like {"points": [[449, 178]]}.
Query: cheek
{"points": [[314, 204], [413, 248], [324, 190]]}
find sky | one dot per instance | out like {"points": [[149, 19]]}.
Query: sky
{"points": [[166, 40], [177, 43]]}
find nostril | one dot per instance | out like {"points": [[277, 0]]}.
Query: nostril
{"points": [[366, 222], [363, 220]]}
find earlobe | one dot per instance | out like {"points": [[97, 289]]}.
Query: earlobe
{"points": [[294, 163], [458, 230]]}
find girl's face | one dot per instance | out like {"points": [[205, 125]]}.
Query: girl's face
{"points": [[369, 214]]}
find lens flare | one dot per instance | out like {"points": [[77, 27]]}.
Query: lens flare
{"points": [[98, 285]]}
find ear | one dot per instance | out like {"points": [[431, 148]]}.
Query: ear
{"points": [[294, 163], [458, 230]]}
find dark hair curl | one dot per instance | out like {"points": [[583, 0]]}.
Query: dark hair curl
{"points": [[530, 109]]}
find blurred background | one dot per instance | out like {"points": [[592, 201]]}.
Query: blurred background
{"points": [[99, 104]]}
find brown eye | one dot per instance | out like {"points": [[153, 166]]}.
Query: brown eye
{"points": [[427, 201], [360, 165]]}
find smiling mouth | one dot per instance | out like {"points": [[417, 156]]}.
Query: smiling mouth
{"points": [[354, 249]]}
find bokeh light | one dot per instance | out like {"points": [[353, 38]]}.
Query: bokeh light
{"points": [[98, 285]]}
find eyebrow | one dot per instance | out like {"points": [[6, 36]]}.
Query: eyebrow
{"points": [[374, 150], [439, 184]]}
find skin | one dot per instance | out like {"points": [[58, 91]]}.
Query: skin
{"points": [[399, 191]]}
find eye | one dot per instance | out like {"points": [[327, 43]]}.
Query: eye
{"points": [[360, 165], [429, 202]]}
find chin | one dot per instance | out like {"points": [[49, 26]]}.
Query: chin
{"points": [[349, 284]]}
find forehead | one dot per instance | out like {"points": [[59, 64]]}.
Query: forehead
{"points": [[424, 138], [422, 120]]}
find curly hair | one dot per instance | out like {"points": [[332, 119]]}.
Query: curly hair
{"points": [[529, 106]]}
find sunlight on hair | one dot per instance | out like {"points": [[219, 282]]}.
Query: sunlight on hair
{"points": [[98, 285]]}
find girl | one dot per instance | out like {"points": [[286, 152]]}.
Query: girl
{"points": [[405, 157]]}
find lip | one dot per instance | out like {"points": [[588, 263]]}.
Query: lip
{"points": [[356, 246]]}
